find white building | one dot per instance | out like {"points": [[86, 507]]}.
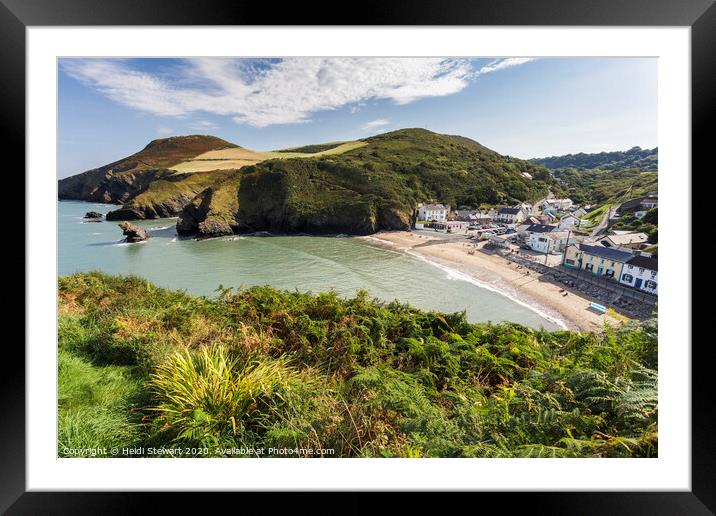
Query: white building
{"points": [[641, 272], [560, 204], [525, 207], [553, 242], [569, 221], [511, 215], [528, 229], [433, 212]]}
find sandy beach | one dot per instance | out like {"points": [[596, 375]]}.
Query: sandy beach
{"points": [[500, 274]]}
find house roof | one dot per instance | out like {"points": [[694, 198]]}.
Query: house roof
{"points": [[610, 253], [540, 228], [558, 235], [629, 238], [434, 207], [633, 203], [645, 261], [509, 211]]}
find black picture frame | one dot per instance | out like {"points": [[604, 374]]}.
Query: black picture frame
{"points": [[17, 15]]}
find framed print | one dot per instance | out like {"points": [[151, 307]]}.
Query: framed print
{"points": [[420, 253]]}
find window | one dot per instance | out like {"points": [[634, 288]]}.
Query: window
{"points": [[641, 269], [627, 277], [589, 267], [650, 284], [653, 274], [568, 261]]}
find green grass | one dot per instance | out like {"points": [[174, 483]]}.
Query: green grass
{"points": [[96, 406], [141, 365], [593, 218], [322, 149], [176, 186]]}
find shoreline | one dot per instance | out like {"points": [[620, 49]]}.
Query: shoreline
{"points": [[495, 273]]}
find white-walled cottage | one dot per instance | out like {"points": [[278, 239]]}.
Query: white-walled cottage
{"points": [[641, 272], [433, 212]]}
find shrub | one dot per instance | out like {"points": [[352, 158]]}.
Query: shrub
{"points": [[209, 398]]}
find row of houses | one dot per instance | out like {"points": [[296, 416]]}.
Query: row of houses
{"points": [[519, 214], [627, 266]]}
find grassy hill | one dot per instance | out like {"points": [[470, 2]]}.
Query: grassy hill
{"points": [[350, 187], [605, 177], [259, 368], [370, 187], [122, 180]]}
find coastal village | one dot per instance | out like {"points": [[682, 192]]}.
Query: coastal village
{"points": [[561, 243]]}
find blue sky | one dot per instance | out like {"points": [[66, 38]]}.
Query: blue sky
{"points": [[110, 108]]}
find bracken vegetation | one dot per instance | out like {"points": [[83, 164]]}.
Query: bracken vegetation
{"points": [[260, 368]]}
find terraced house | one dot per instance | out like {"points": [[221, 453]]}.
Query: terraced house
{"points": [[511, 215], [641, 272], [600, 261]]}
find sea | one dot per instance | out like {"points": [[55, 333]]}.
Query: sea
{"points": [[340, 263]]}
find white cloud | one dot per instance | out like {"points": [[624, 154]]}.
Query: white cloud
{"points": [[164, 130], [375, 123], [501, 64], [280, 92], [203, 125]]}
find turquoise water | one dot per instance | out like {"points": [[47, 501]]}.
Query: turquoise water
{"points": [[307, 263]]}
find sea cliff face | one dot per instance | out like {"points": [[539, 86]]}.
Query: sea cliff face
{"points": [[123, 180], [374, 185], [107, 184]]}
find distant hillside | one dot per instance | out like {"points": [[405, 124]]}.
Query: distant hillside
{"points": [[600, 186], [353, 187], [646, 160], [606, 177]]}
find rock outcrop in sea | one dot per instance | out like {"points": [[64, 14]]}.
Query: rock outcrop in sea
{"points": [[133, 233]]}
